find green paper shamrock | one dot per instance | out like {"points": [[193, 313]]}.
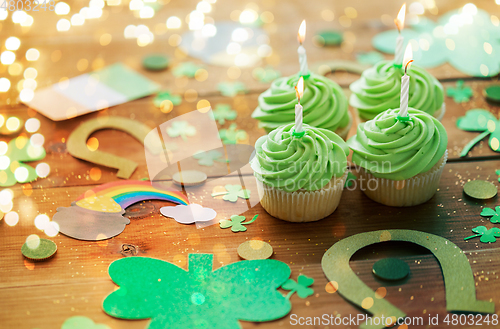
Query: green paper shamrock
{"points": [[494, 214], [233, 193], [223, 112], [236, 223], [82, 322], [498, 173], [166, 96], [371, 57], [300, 287], [176, 298], [207, 158], [181, 128], [186, 69], [232, 135], [461, 93], [480, 120], [350, 179], [485, 234], [231, 89], [265, 75], [20, 149]]}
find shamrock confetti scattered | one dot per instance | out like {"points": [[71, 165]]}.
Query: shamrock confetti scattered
{"points": [[233, 135], [461, 93], [494, 214], [181, 128], [371, 57], [265, 75], [207, 158], [231, 89], [484, 121], [498, 173], [167, 96], [300, 287], [485, 234], [236, 223], [197, 298], [233, 192], [186, 69], [350, 179], [223, 112]]}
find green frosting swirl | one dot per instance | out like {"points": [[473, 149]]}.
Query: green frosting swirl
{"points": [[379, 89], [325, 104], [397, 150], [290, 163]]}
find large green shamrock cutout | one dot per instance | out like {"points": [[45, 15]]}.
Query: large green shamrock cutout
{"points": [[461, 93], [207, 158], [300, 287], [186, 69], [198, 298], [231, 89], [494, 214], [480, 120], [236, 223], [233, 193], [167, 96], [232, 135], [223, 112], [181, 128], [20, 149], [485, 234]]}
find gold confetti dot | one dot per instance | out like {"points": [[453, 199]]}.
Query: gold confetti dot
{"points": [[332, 287]]}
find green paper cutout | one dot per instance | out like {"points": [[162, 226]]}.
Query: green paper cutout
{"points": [[232, 135], [328, 38], [27, 153], [350, 179], [156, 62], [484, 121], [233, 193], [498, 173], [182, 129], [480, 189], [494, 214], [485, 234], [198, 298], [391, 269], [207, 158], [236, 223], [82, 322], [45, 249], [370, 58], [461, 93], [457, 273], [167, 96], [231, 89], [492, 93], [223, 112], [300, 287], [265, 75], [186, 69]]}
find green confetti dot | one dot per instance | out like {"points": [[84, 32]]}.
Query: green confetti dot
{"points": [[480, 189], [391, 269], [328, 38], [44, 250], [492, 93], [155, 62]]}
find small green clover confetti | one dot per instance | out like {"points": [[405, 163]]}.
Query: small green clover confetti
{"points": [[371, 57], [207, 158], [167, 96], [223, 112], [461, 93], [484, 121], [186, 69], [233, 192], [231, 89], [494, 214], [350, 179], [236, 223], [265, 75], [485, 234], [300, 287], [232, 135], [181, 128], [498, 173]]}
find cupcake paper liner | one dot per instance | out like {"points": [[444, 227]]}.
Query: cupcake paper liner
{"points": [[302, 206], [404, 193]]}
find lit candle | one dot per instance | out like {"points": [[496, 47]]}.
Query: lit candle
{"points": [[405, 83], [400, 22], [301, 36], [299, 89]]}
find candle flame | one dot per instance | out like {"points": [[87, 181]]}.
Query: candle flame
{"points": [[400, 21], [301, 36], [299, 88], [407, 59]]}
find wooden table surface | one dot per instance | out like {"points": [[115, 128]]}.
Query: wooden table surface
{"points": [[75, 281]]}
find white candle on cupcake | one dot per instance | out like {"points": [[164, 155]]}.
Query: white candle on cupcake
{"points": [[400, 23]]}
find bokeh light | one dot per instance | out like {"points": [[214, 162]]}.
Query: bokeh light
{"points": [[11, 218], [33, 241], [4, 85], [173, 22], [63, 25], [62, 8], [7, 57], [12, 43], [42, 170], [41, 221], [32, 125]]}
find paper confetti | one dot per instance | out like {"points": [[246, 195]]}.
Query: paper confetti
{"points": [[182, 129], [494, 214], [481, 121], [189, 214], [233, 135], [461, 93], [255, 249], [156, 62], [167, 96], [328, 38], [480, 189], [186, 69], [265, 75], [233, 192], [236, 223], [485, 234], [38, 249], [231, 89], [223, 112], [391, 269], [492, 93], [371, 57], [189, 177], [207, 158], [301, 287]]}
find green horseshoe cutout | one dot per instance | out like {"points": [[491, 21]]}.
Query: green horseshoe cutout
{"points": [[457, 273]]}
